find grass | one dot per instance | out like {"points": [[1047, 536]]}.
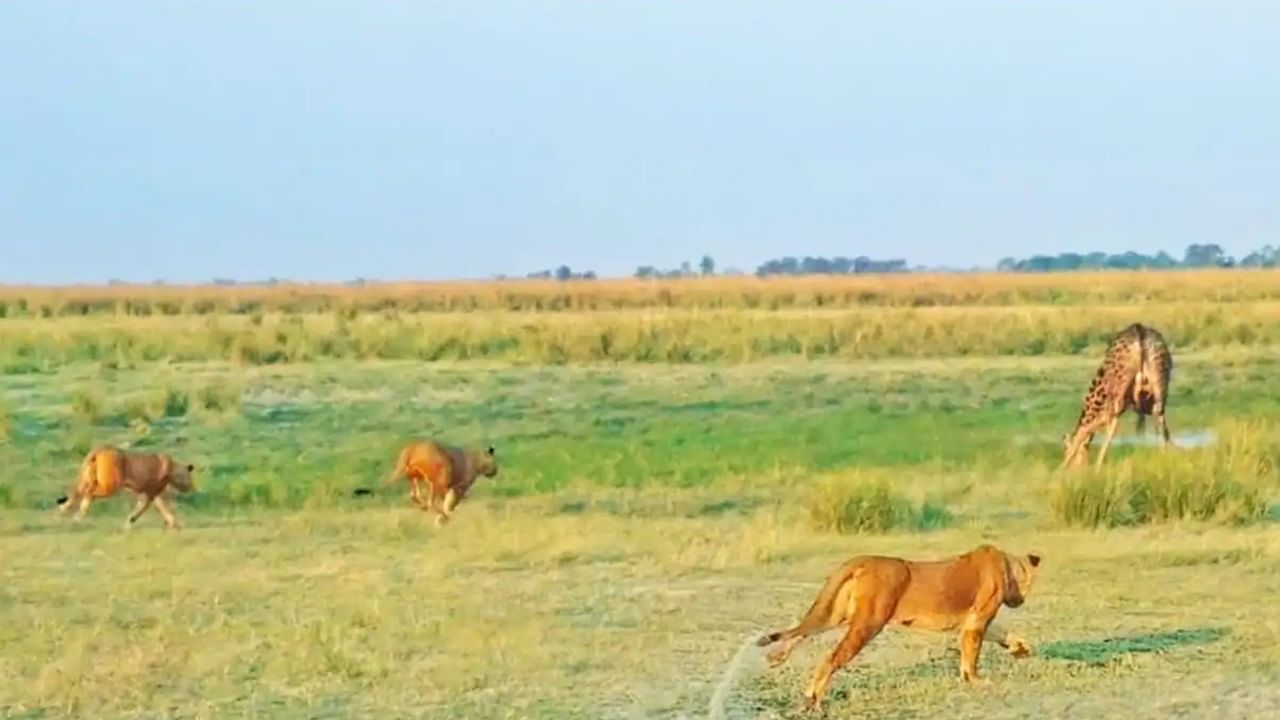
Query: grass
{"points": [[726, 293], [1229, 482], [649, 517], [678, 336], [859, 504], [341, 613]]}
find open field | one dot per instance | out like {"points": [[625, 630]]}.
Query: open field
{"points": [[648, 518]]}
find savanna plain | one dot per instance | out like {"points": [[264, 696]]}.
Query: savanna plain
{"points": [[681, 465]]}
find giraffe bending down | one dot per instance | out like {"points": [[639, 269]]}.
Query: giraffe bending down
{"points": [[1134, 375]]}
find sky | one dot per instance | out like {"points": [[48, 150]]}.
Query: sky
{"points": [[325, 141]]}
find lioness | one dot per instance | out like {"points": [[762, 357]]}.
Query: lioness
{"points": [[448, 472], [869, 592], [150, 476]]}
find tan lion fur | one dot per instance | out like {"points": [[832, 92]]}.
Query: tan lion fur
{"points": [[447, 472], [868, 592], [149, 476]]}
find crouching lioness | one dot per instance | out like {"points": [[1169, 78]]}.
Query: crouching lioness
{"points": [[149, 476], [869, 592]]}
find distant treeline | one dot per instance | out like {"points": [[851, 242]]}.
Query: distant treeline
{"points": [[1196, 256]]}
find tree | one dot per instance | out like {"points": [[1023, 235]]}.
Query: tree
{"points": [[646, 272], [707, 266], [564, 272], [1210, 255]]}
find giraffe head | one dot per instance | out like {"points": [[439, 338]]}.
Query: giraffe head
{"points": [[1069, 441]]}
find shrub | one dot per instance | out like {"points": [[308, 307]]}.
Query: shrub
{"points": [[87, 406], [860, 505], [220, 398], [6, 422], [1225, 483]]}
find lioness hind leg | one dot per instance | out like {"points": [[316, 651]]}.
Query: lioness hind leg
{"points": [[445, 512], [66, 504], [861, 631], [85, 501], [139, 506], [783, 652]]}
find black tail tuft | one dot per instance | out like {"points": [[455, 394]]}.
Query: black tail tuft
{"points": [[769, 639], [62, 500], [361, 492]]}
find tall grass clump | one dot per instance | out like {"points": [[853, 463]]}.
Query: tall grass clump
{"points": [[1228, 483], [859, 504], [220, 399], [176, 403], [88, 407], [6, 422]]}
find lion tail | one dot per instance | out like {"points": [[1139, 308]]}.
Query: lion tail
{"points": [[397, 472], [821, 615], [402, 464], [86, 479]]}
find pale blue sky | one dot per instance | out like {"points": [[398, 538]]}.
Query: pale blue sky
{"points": [[324, 141]]}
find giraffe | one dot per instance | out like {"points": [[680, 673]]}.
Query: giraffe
{"points": [[1134, 375]]}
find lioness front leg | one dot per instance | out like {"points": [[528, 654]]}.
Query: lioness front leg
{"points": [[1007, 639], [971, 636], [170, 520]]}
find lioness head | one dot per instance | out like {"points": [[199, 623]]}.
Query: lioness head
{"points": [[1021, 575], [182, 477], [485, 463]]}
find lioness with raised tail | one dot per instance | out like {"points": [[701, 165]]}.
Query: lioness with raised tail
{"points": [[871, 591], [149, 476], [447, 472]]}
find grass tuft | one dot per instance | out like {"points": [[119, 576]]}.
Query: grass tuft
{"points": [[858, 504], [1227, 483]]}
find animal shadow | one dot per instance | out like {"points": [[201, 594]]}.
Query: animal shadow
{"points": [[1101, 652]]}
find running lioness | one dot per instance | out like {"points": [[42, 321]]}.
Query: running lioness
{"points": [[448, 473], [149, 476], [869, 592]]}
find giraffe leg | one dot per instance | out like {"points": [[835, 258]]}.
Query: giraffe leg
{"points": [[1106, 443], [1158, 411]]}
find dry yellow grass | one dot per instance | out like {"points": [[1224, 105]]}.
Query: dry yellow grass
{"points": [[907, 290], [679, 335]]}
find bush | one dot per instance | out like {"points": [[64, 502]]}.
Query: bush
{"points": [[860, 505], [176, 403], [1226, 483], [87, 406], [6, 422], [223, 398]]}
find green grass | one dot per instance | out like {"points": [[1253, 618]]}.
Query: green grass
{"points": [[646, 521]]}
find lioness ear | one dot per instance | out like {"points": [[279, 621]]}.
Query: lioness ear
{"points": [[1034, 559], [191, 468], [491, 450]]}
